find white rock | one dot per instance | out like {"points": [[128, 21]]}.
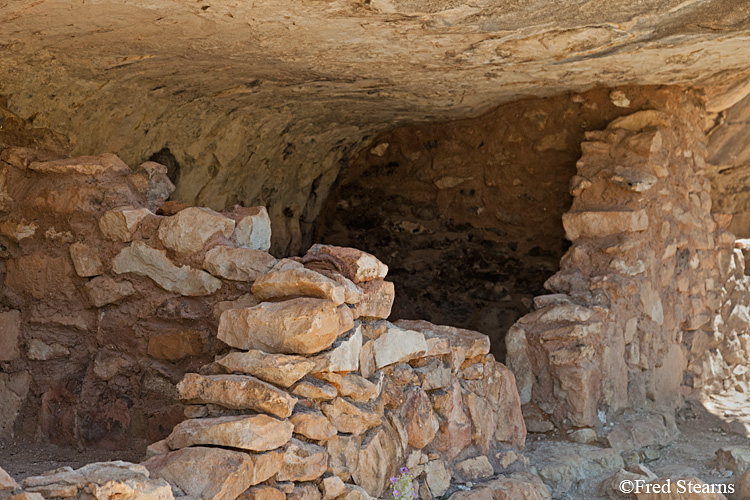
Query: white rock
{"points": [[189, 229], [120, 224], [397, 345], [238, 264], [143, 260], [254, 230]]}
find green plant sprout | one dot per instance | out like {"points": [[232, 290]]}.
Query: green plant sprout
{"points": [[402, 487]]}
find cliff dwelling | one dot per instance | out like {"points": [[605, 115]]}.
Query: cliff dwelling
{"points": [[362, 250]]}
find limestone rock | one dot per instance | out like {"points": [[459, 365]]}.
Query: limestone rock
{"points": [[143, 260], [7, 483], [103, 480], [465, 344], [262, 492], [377, 299], [312, 424], [238, 264], [350, 418], [26, 495], [85, 165], [332, 487], [278, 369], [18, 230], [438, 477], [253, 228], [305, 491], [158, 448], [312, 388], [298, 282], [454, 432], [397, 345], [419, 419], [354, 492], [239, 392], [436, 374], [297, 326], [103, 290], [242, 302], [120, 224], [518, 486], [354, 264], [379, 456], [208, 473], [254, 433], [343, 454], [474, 469], [599, 224], [10, 331], [302, 462], [190, 229], [85, 260], [151, 180], [344, 354], [358, 389]]}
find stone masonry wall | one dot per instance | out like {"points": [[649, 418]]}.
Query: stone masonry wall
{"points": [[111, 295], [651, 294]]}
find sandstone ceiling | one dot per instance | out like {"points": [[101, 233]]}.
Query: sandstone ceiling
{"points": [[262, 102]]}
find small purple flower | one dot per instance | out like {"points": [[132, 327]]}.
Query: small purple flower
{"points": [[414, 494], [393, 480], [396, 493], [404, 470]]}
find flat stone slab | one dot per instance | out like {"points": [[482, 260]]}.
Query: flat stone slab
{"points": [[237, 392], [254, 433]]}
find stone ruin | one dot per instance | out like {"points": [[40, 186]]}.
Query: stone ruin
{"points": [[112, 295]]}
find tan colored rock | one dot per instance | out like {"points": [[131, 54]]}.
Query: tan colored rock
{"points": [[312, 388], [742, 486], [438, 477], [418, 417], [85, 260], [120, 224], [599, 224], [474, 469], [190, 229], [640, 120], [344, 354], [376, 301], [278, 369], [518, 486], [103, 290], [239, 392], [305, 491], [300, 282], [297, 326], [18, 230], [7, 483], [332, 487], [10, 331], [454, 432], [465, 344], [379, 457], [302, 462], [176, 344], [158, 448], [103, 481], [518, 361], [367, 359], [143, 260], [26, 495], [436, 374], [238, 264], [343, 455], [36, 350], [242, 302], [397, 345], [85, 165], [254, 433], [354, 264], [253, 228], [354, 492], [358, 389], [312, 424], [209, 473], [350, 418], [352, 293], [262, 492]]}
